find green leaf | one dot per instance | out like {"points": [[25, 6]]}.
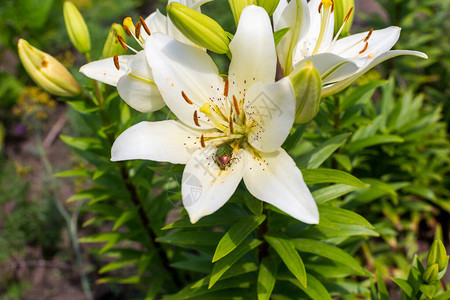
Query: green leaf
{"points": [[343, 216], [328, 251], [125, 217], [237, 233], [94, 194], [314, 176], [81, 143], [253, 204], [235, 270], [279, 34], [372, 141], [118, 264], [382, 290], [134, 280], [344, 161], [316, 157], [315, 289], [73, 173], [286, 250], [221, 266], [191, 238], [332, 192], [360, 92], [404, 285], [266, 278]]}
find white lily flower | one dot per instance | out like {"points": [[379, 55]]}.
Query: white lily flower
{"points": [[229, 129], [131, 74], [339, 61]]}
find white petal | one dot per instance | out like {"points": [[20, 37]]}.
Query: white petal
{"points": [[253, 51], [379, 42], [205, 187], [275, 179], [141, 95], [179, 67], [277, 13], [105, 71], [333, 67], [316, 23], [339, 86], [156, 22], [270, 110], [165, 141]]}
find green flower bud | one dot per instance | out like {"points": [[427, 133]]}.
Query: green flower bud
{"points": [[268, 5], [437, 255], [47, 72], [76, 28], [112, 45], [308, 87], [431, 273], [199, 28], [238, 5], [343, 13]]}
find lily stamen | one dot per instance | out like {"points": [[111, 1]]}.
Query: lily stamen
{"points": [[116, 61], [137, 30], [236, 106], [186, 98], [364, 49], [145, 26], [225, 90], [125, 45], [231, 125], [347, 17], [202, 141], [368, 35], [196, 119]]}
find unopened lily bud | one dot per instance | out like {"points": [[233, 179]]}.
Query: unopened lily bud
{"points": [[47, 72], [238, 5], [76, 28], [437, 255], [112, 45], [343, 15], [431, 273], [199, 28], [307, 87], [268, 5]]}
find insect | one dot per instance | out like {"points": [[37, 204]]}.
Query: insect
{"points": [[223, 156]]}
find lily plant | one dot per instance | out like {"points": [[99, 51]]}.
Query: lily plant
{"points": [[227, 129], [131, 74], [339, 61]]}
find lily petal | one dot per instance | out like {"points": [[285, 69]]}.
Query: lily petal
{"points": [[270, 109], [274, 178], [156, 22], [339, 86], [379, 42], [178, 68], [205, 187], [165, 141], [253, 50], [105, 71], [278, 11]]}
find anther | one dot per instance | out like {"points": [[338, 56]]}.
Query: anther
{"points": [[202, 141], [365, 48], [320, 7], [196, 119], [127, 31], [332, 6], [231, 125], [185, 97], [225, 90], [368, 35], [236, 106], [348, 15], [137, 30], [116, 61], [122, 42], [145, 26]]}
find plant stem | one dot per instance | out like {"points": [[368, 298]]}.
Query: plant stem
{"points": [[146, 224]]}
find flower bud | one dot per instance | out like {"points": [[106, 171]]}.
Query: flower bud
{"points": [[307, 87], [76, 28], [431, 273], [112, 45], [238, 5], [268, 5], [343, 12], [199, 28], [47, 72], [437, 255]]}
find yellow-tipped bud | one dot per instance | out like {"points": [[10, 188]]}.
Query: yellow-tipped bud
{"points": [[199, 28], [343, 13], [238, 5], [47, 72], [112, 45], [308, 88], [268, 5], [76, 28]]}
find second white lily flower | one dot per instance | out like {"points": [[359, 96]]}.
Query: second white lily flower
{"points": [[228, 130]]}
